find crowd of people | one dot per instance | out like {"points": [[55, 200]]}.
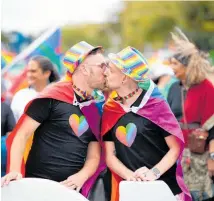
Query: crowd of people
{"points": [[105, 122]]}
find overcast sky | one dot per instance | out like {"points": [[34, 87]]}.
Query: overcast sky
{"points": [[32, 16]]}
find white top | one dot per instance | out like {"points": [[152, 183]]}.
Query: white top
{"points": [[20, 100], [158, 69]]}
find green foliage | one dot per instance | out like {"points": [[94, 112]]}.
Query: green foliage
{"points": [[146, 22], [94, 34], [212, 57], [197, 14], [151, 22], [203, 40]]}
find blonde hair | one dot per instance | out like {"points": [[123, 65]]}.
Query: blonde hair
{"points": [[198, 67]]}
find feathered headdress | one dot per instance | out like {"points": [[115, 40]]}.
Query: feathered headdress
{"points": [[196, 61]]}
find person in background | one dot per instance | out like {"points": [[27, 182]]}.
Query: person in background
{"points": [[7, 125], [41, 72], [193, 70], [174, 99], [163, 76], [174, 94]]}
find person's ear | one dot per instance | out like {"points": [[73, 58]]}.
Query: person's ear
{"points": [[125, 79], [47, 74]]}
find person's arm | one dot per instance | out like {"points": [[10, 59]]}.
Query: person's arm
{"points": [[115, 164], [211, 151], [26, 129], [92, 160], [165, 164], [210, 140], [77, 180], [211, 146], [172, 155], [36, 113], [112, 161]]}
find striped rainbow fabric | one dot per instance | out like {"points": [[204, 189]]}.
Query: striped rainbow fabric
{"points": [[49, 46], [76, 54], [132, 63], [6, 57]]}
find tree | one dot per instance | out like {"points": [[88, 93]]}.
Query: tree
{"points": [[198, 15], [148, 22], [199, 23], [94, 34], [151, 22]]}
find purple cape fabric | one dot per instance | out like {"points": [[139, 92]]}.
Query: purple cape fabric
{"points": [[154, 108], [93, 119], [157, 110]]}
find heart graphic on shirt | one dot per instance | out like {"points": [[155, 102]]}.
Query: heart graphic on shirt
{"points": [[126, 135], [78, 124]]}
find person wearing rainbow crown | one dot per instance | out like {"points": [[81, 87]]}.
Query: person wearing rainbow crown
{"points": [[142, 138], [65, 119]]}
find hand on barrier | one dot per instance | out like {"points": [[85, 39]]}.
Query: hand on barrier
{"points": [[145, 174], [34, 189], [10, 177], [74, 182], [130, 176]]}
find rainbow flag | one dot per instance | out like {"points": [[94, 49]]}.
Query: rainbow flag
{"points": [[48, 44], [6, 57]]}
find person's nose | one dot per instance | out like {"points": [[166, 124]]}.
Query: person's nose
{"points": [[106, 72]]}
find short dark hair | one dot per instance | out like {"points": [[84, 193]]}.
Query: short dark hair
{"points": [[95, 51]]}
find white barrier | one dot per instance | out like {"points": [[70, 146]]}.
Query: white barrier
{"points": [[145, 191], [32, 189]]}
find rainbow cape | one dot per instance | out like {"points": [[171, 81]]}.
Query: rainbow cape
{"points": [[63, 91], [163, 117]]}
